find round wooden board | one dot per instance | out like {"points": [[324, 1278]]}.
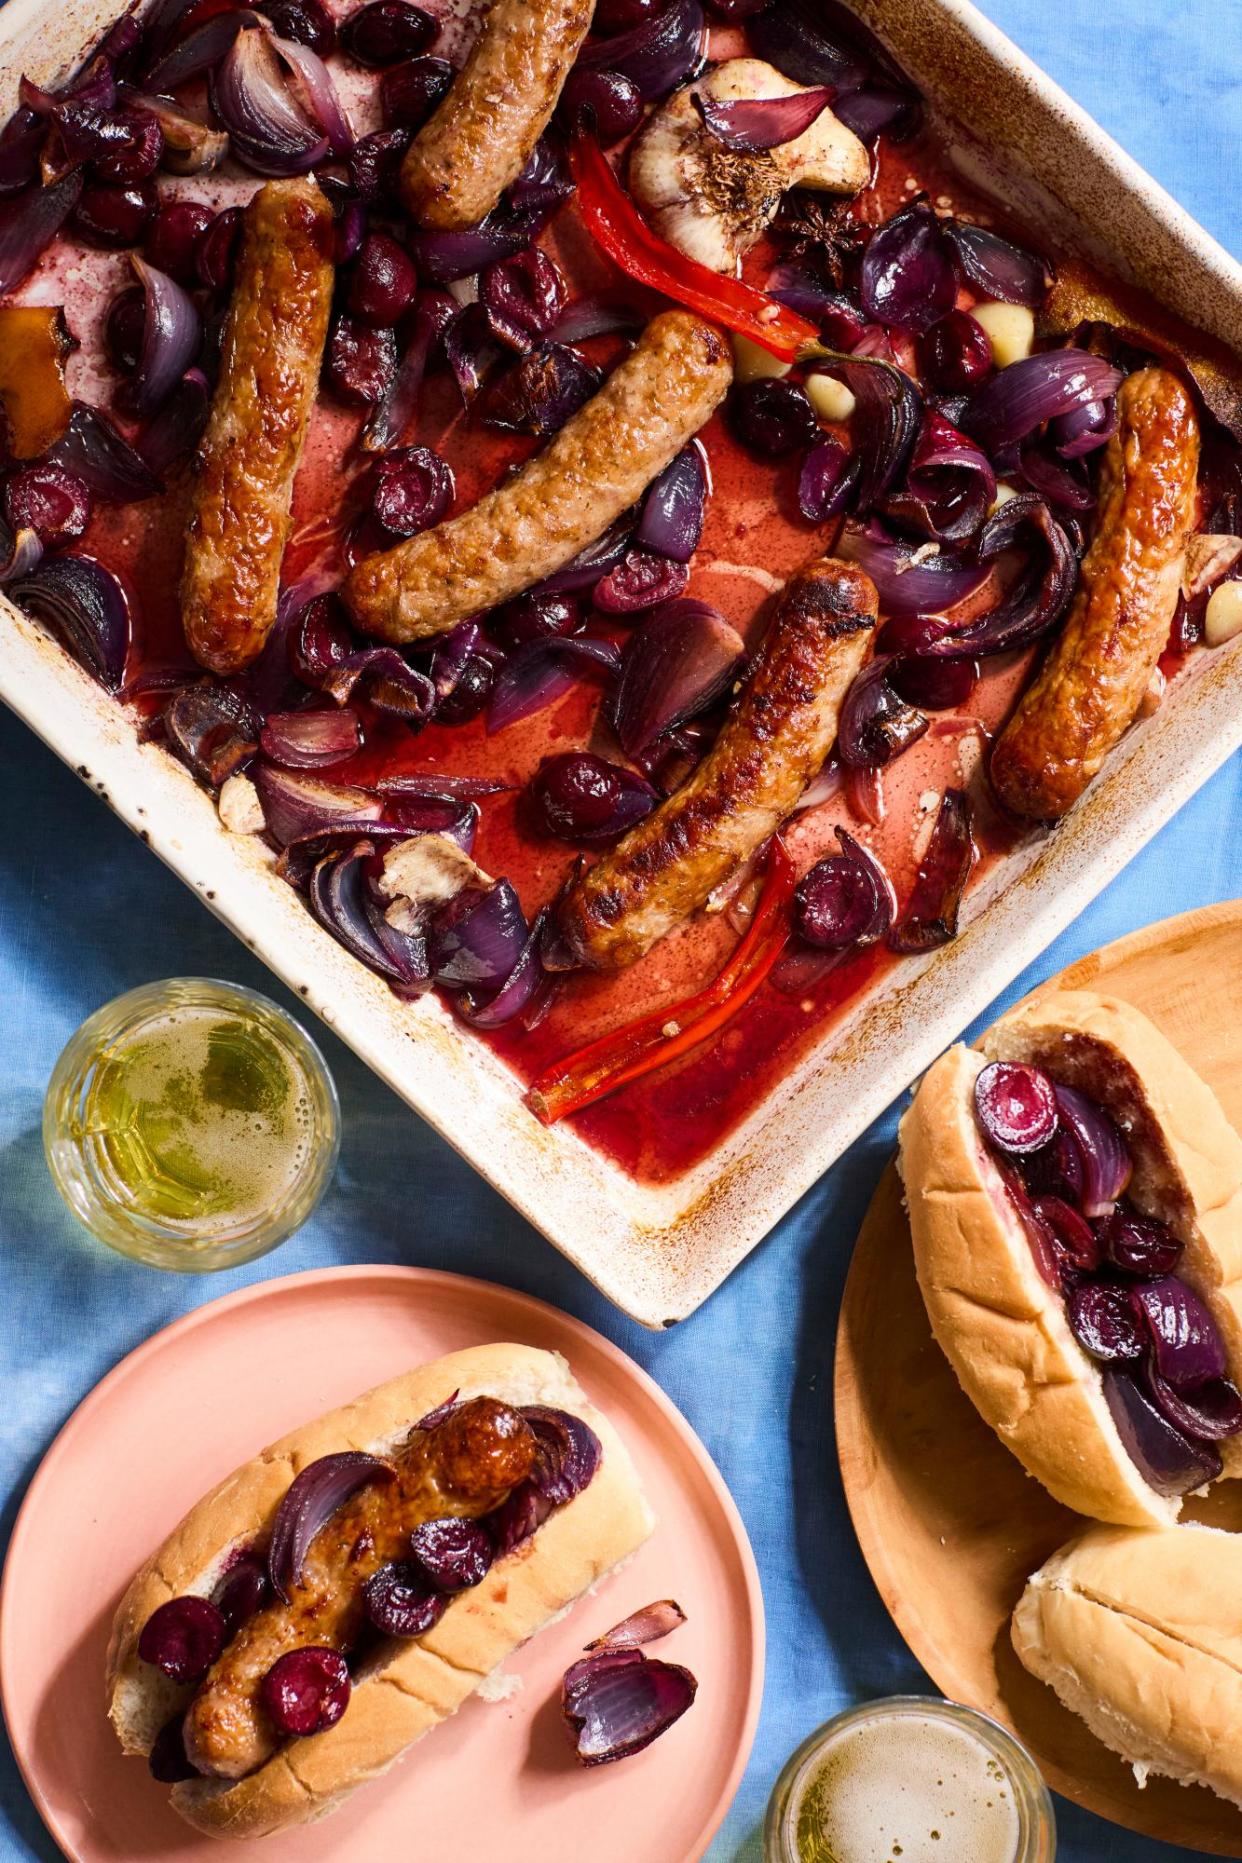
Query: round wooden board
{"points": [[949, 1523]]}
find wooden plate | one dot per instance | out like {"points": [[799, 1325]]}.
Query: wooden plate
{"points": [[949, 1523]]}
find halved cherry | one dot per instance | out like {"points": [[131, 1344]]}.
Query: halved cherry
{"points": [[183, 1638], [1017, 1106], [307, 1691]]}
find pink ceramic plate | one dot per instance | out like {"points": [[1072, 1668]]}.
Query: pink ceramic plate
{"points": [[497, 1781]]}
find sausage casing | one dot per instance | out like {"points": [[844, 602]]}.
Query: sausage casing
{"points": [[1088, 691], [768, 750], [563, 499], [463, 1467], [498, 106], [241, 498]]}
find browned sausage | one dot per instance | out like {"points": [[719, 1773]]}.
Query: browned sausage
{"points": [[563, 499], [240, 502], [767, 752], [1085, 696], [478, 141], [464, 1466]]}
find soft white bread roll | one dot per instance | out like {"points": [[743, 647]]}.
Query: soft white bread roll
{"points": [[1003, 1329], [407, 1687], [1140, 1633], [1187, 1157]]}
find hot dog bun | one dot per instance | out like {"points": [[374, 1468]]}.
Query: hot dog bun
{"points": [[1138, 1633], [577, 1545], [1001, 1326]]}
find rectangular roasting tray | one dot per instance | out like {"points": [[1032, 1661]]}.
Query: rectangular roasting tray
{"points": [[659, 1251]]}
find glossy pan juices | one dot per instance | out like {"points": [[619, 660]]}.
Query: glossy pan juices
{"points": [[191, 1124], [910, 1780]]}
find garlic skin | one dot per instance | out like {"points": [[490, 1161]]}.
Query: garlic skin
{"points": [[711, 202]]}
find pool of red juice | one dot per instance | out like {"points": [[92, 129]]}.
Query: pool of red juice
{"points": [[754, 539]]}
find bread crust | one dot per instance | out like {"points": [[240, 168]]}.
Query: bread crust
{"points": [[1139, 1634], [1187, 1156], [1001, 1327], [410, 1687]]}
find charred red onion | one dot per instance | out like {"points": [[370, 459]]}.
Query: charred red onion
{"points": [[876, 724], [617, 1702], [680, 661], [543, 671], [252, 96], [949, 484], [1169, 1461], [885, 422], [657, 55], [296, 804], [213, 730], [309, 1503], [907, 271], [753, 123], [310, 740], [907, 587], [930, 917], [1035, 389], [86, 606], [1106, 1161], [997, 267], [30, 222]]}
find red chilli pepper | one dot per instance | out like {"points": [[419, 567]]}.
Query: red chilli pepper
{"points": [[641, 1047], [620, 230]]}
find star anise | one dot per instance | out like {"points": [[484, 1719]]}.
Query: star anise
{"points": [[823, 230]]}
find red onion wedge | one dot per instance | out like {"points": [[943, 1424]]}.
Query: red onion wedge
{"points": [[878, 107], [997, 267], [802, 287], [755, 123], [1035, 602], [930, 917], [1210, 1413], [657, 55], [171, 334], [813, 44], [1035, 389], [516, 994], [310, 740], [29, 222], [1061, 483], [593, 563], [1186, 1343], [1077, 1244], [1106, 1161], [92, 448], [949, 484], [680, 661], [619, 1701], [672, 519], [1169, 1461], [340, 899], [477, 939], [172, 434], [201, 49], [876, 724], [183, 1638], [401, 1602], [297, 804], [442, 815], [906, 586], [316, 92], [252, 96], [86, 606], [543, 671], [1085, 429], [455, 1554], [885, 421], [1016, 1106], [212, 729], [907, 275], [828, 481], [310, 1502], [306, 1691], [646, 1626]]}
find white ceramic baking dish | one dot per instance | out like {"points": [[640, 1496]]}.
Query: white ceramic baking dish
{"points": [[658, 1252]]}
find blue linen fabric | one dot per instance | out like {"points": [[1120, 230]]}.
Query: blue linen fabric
{"points": [[85, 913]]}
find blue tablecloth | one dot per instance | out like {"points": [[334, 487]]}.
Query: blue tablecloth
{"points": [[85, 913]]}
